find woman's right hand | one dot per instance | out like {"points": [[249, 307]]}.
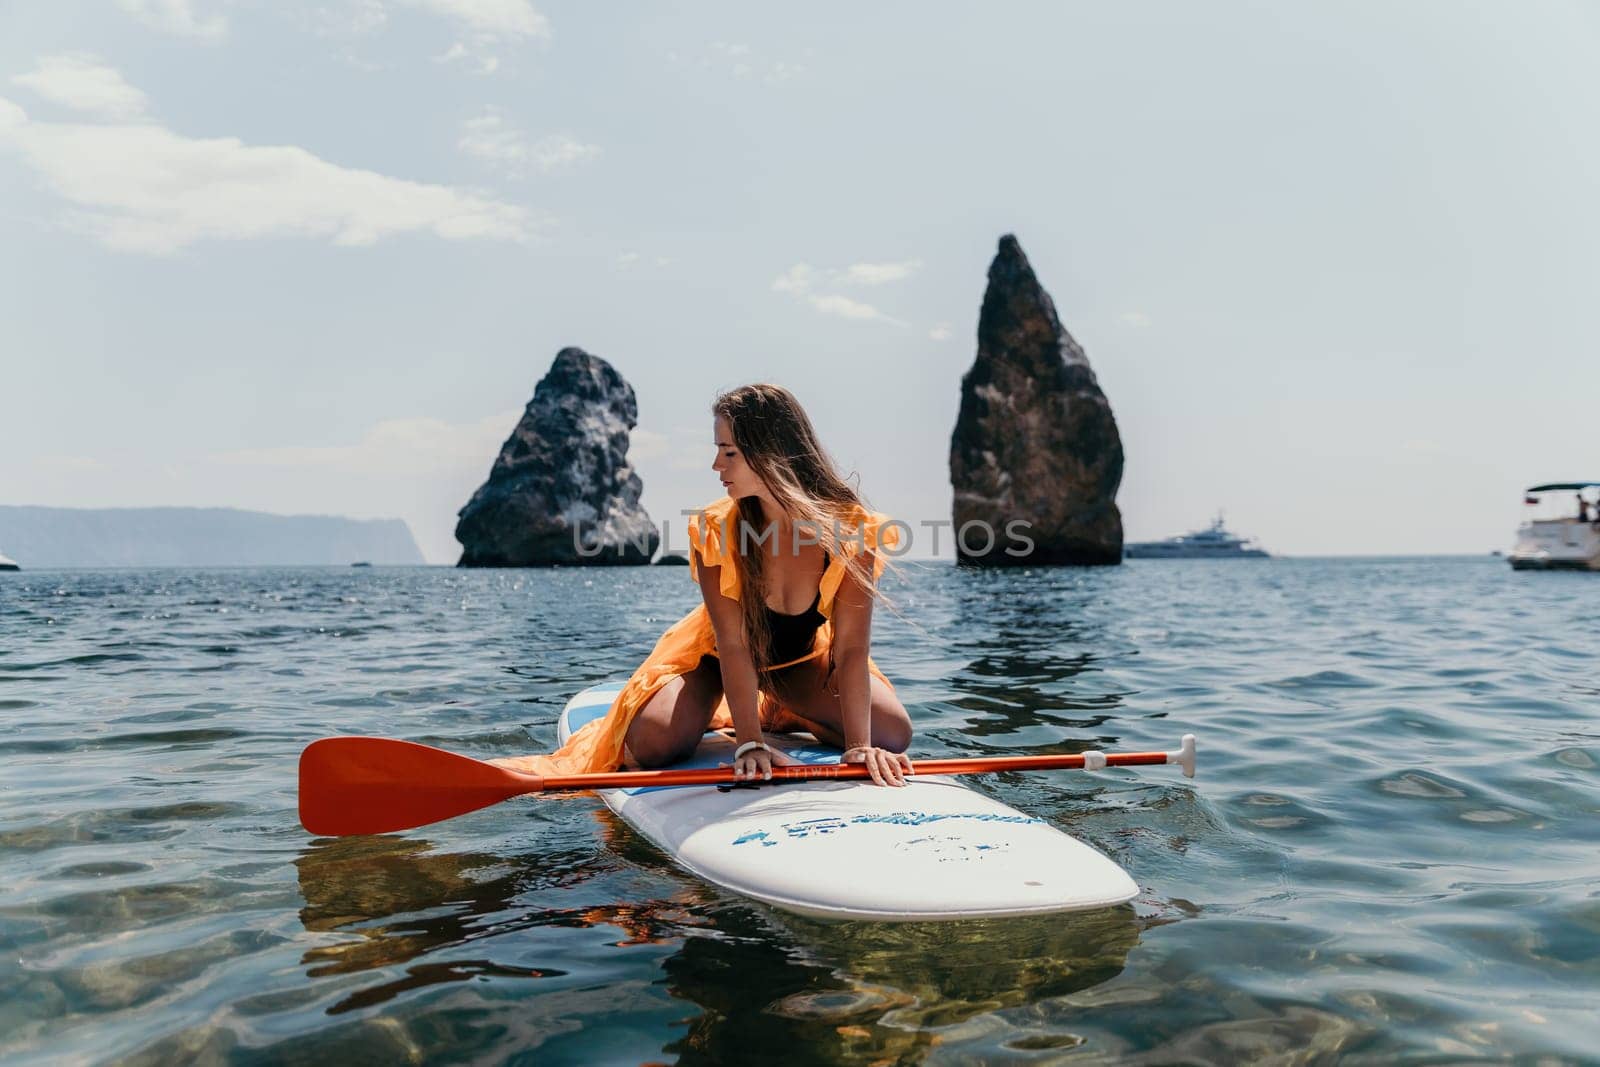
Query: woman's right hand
{"points": [[886, 768]]}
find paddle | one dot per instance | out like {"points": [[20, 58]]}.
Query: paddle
{"points": [[375, 785]]}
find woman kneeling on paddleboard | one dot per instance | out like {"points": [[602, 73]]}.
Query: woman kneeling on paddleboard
{"points": [[788, 564]]}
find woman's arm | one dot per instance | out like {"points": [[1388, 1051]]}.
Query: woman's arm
{"points": [[733, 652], [852, 637]]}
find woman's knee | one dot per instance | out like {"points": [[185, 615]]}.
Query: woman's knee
{"points": [[668, 727], [891, 726], [658, 747], [655, 741]]}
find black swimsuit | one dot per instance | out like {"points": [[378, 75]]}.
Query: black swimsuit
{"points": [[794, 636]]}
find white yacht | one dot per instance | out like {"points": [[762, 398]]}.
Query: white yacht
{"points": [[1563, 533], [7, 563], [1214, 542]]}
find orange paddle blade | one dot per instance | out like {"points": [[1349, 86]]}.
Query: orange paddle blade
{"points": [[376, 785]]}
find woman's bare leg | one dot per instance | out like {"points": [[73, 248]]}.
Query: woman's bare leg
{"points": [[803, 690], [670, 724]]}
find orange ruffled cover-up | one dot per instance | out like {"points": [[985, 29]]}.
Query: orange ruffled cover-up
{"points": [[598, 746]]}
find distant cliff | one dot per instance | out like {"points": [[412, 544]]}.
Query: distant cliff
{"points": [[40, 538]]}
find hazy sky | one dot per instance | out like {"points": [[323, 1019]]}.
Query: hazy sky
{"points": [[1335, 265]]}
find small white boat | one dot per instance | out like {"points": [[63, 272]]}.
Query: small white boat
{"points": [[1564, 533], [935, 849], [7, 563], [1214, 542]]}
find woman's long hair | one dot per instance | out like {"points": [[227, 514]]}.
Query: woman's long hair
{"points": [[771, 430]]}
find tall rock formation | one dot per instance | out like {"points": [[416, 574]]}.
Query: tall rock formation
{"points": [[561, 490], [1035, 439]]}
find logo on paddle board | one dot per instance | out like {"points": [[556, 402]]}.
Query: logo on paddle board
{"points": [[799, 831]]}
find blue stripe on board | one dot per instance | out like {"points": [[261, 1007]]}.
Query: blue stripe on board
{"points": [[578, 718], [591, 704]]}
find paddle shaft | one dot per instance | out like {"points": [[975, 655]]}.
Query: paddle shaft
{"points": [[806, 772]]}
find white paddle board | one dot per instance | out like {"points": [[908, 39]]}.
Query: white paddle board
{"points": [[935, 849]]}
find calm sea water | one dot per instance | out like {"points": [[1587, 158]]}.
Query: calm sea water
{"points": [[1392, 851]]}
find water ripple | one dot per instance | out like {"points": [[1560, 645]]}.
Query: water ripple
{"points": [[1389, 854]]}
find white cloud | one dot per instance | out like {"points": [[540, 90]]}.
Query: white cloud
{"points": [[351, 18], [459, 52], [486, 25], [82, 82], [392, 447], [845, 308], [802, 279], [179, 17], [492, 139], [482, 27], [491, 20], [344, 22], [627, 259], [880, 273], [559, 152], [940, 332], [140, 187], [797, 279], [1137, 319]]}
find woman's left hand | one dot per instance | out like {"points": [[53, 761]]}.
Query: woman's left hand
{"points": [[758, 763], [886, 768]]}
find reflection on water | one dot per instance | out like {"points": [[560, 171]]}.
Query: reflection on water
{"points": [[397, 899], [895, 989], [1390, 852], [861, 989]]}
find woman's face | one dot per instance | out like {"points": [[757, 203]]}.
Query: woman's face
{"points": [[738, 478]]}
